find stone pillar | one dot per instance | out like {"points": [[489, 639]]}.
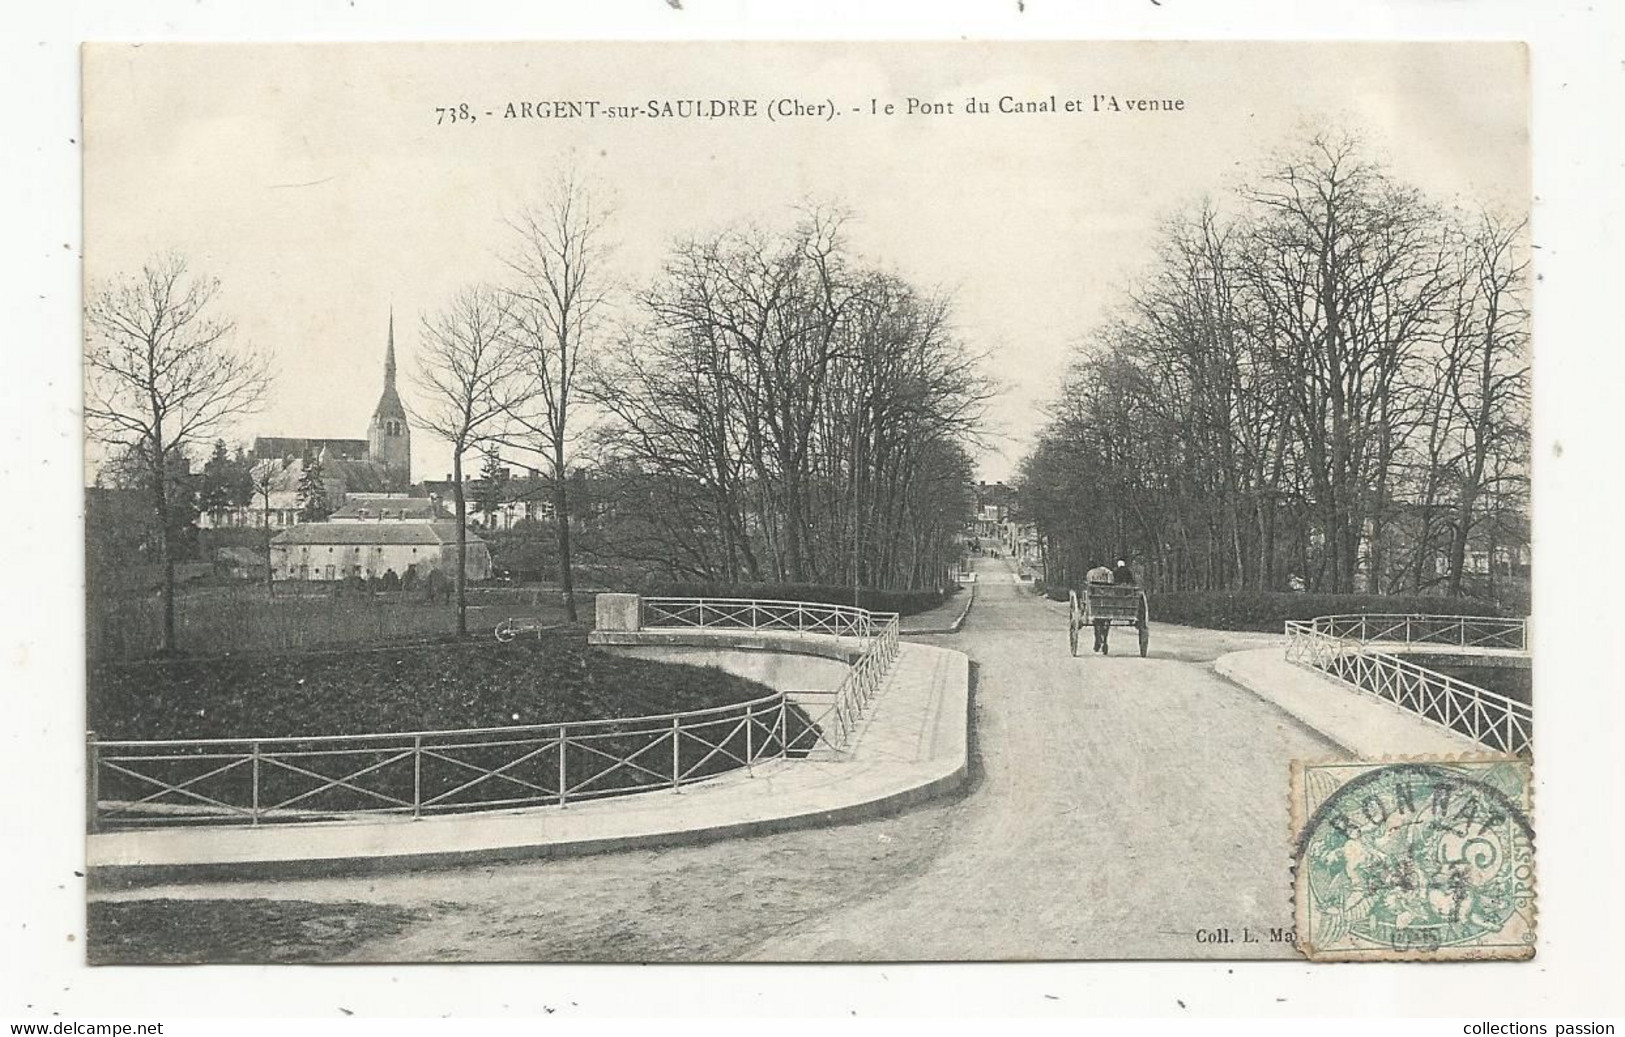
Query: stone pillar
{"points": [[619, 612]]}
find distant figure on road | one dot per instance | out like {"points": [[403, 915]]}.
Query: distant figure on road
{"points": [[1103, 628], [1123, 574]]}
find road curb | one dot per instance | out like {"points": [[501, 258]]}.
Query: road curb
{"points": [[114, 877], [952, 628], [873, 789], [1357, 722]]}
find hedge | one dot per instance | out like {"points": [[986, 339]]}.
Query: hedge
{"points": [[906, 603], [555, 678], [1269, 610]]}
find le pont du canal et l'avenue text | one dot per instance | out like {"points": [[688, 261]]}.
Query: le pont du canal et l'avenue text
{"points": [[826, 109]]}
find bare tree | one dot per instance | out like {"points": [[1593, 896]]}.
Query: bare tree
{"points": [[163, 373], [557, 301], [1485, 361], [264, 478], [795, 414], [1350, 279], [468, 371], [1331, 381]]}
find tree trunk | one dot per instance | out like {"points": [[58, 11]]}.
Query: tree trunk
{"points": [[561, 526], [797, 573], [166, 557], [166, 554], [265, 520], [1458, 545], [462, 538]]}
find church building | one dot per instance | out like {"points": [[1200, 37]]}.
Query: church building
{"points": [[377, 465], [389, 440], [381, 463]]}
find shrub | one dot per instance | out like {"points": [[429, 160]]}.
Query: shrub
{"points": [[906, 603], [300, 616], [553, 679], [527, 551]]}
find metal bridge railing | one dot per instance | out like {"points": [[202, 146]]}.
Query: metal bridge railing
{"points": [[1491, 719], [801, 617], [266, 780], [413, 774], [1457, 631], [862, 681]]}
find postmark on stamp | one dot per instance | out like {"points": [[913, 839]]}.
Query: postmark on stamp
{"points": [[1414, 860]]}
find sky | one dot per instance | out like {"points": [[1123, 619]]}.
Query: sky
{"points": [[314, 181]]}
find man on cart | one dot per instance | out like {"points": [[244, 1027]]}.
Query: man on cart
{"points": [[1099, 574], [1123, 576]]}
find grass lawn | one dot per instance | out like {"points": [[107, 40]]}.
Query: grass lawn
{"points": [[210, 620], [444, 686]]}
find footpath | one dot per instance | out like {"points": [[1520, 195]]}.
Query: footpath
{"points": [[947, 618], [911, 746], [1365, 725]]}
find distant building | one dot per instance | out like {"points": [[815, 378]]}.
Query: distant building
{"points": [[389, 439], [521, 498], [996, 494], [337, 550], [993, 504], [989, 520], [1022, 545], [390, 507], [381, 463], [276, 506], [275, 448], [378, 464]]}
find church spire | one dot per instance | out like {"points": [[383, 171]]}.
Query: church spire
{"points": [[389, 355], [389, 440], [389, 404]]}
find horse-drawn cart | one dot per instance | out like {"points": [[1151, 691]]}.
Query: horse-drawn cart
{"points": [[1114, 606]]}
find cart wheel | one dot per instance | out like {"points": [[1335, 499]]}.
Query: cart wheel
{"points": [[505, 631], [1145, 637], [1072, 621]]}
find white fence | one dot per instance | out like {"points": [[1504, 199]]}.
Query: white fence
{"points": [[863, 680], [268, 780], [803, 617], [1343, 648], [1449, 631]]}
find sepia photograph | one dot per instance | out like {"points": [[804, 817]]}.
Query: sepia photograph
{"points": [[808, 502]]}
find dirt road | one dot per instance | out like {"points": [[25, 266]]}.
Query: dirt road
{"points": [[1123, 804]]}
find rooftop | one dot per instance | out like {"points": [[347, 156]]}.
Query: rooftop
{"points": [[269, 447], [366, 534], [380, 508]]}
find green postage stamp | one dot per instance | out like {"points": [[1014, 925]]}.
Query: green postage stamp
{"points": [[1414, 859]]}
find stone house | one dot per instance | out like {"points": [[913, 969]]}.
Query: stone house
{"points": [[337, 550]]}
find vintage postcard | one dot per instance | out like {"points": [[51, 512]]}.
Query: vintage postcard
{"points": [[706, 502]]}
